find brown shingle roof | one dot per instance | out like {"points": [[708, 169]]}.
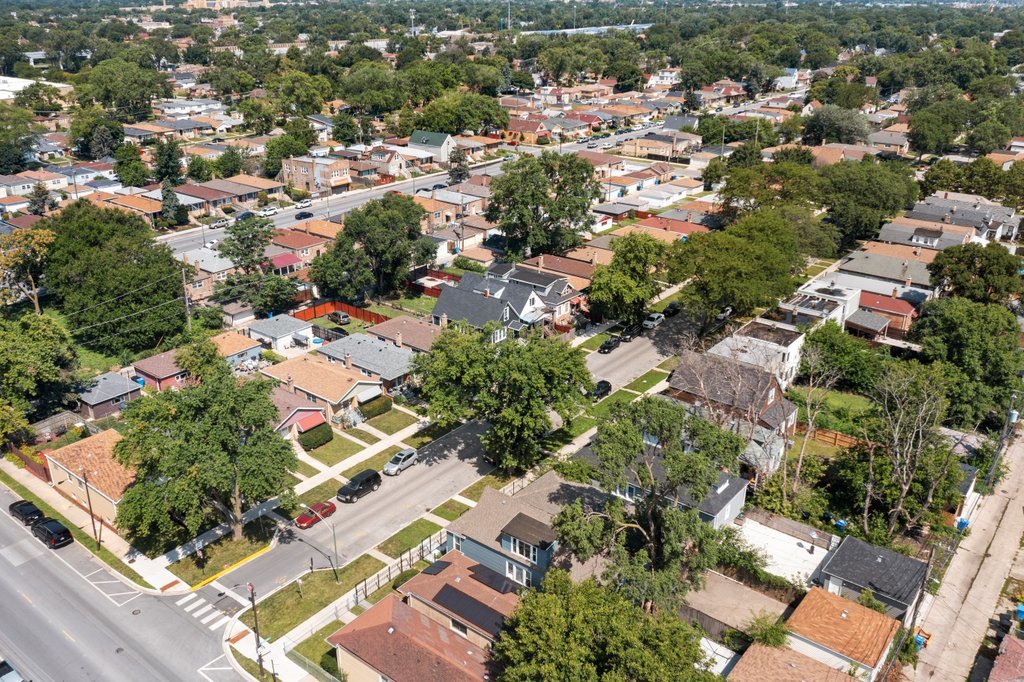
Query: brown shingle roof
{"points": [[230, 343], [404, 644], [95, 457], [762, 663], [416, 334], [253, 181], [843, 626], [321, 228], [160, 366], [294, 240], [313, 374]]}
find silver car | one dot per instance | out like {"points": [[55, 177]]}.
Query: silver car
{"points": [[402, 460]]}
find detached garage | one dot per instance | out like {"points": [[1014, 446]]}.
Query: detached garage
{"points": [[281, 331]]}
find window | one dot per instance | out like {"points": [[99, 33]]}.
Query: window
{"points": [[457, 542], [499, 335], [459, 628], [305, 171], [518, 574], [304, 252], [771, 395], [524, 549], [221, 276], [198, 284]]}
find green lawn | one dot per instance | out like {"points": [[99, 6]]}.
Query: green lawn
{"points": [[662, 304], [81, 537], [250, 666], [337, 450], [647, 381], [814, 448], [409, 537], [376, 462], [840, 401], [353, 327], [495, 480], [451, 510], [603, 409], [325, 491], [317, 650], [569, 432], [224, 552], [669, 364], [306, 469], [594, 342], [362, 435], [392, 421], [408, 304], [111, 423], [427, 435], [287, 608]]}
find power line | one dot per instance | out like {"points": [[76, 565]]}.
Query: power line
{"points": [[125, 317], [117, 298]]}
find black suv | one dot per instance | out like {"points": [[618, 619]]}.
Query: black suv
{"points": [[361, 484], [26, 512], [631, 332], [672, 309], [601, 389], [52, 532], [610, 344]]}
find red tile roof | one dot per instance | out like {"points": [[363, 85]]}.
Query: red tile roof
{"points": [[889, 304], [293, 239]]}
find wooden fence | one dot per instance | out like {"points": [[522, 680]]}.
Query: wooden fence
{"points": [[32, 464], [416, 287], [447, 276], [324, 307], [833, 438]]}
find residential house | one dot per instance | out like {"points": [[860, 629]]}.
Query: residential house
{"points": [[304, 246], [605, 165], [237, 349], [88, 474], [894, 579], [899, 312], [144, 206], [463, 595], [926, 234], [680, 123], [334, 387], [741, 397], [440, 145], [841, 634], [320, 228], [322, 125], [210, 267], [886, 275], [394, 641], [760, 663], [185, 108], [16, 185], [281, 331], [212, 199], [318, 176], [55, 182], [578, 273], [668, 147], [388, 162], [407, 332], [106, 394], [991, 221], [296, 414], [272, 188], [436, 214], [664, 78], [771, 347], [512, 535], [183, 129], [161, 371], [555, 290], [566, 128], [890, 142], [723, 604], [372, 357], [1009, 663]]}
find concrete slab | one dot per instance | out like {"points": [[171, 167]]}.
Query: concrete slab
{"points": [[788, 556]]}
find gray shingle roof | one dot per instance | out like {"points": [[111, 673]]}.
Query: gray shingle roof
{"points": [[279, 326], [464, 305], [370, 353], [886, 267], [882, 570], [106, 387]]}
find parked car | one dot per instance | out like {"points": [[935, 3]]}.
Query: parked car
{"points": [[607, 145], [25, 511], [303, 215], [313, 515], [221, 223], [304, 203], [591, 145], [601, 389], [8, 673], [440, 185], [212, 244], [360, 485], [339, 317], [672, 309], [631, 332], [610, 344], [653, 320], [267, 212], [52, 533], [245, 215], [402, 460]]}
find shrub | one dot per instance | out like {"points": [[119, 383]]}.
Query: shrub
{"points": [[767, 629], [376, 407], [316, 436], [575, 470], [464, 263], [271, 357], [867, 598]]}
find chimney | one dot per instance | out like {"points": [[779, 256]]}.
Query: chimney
{"points": [[444, 320], [593, 256], [348, 361], [288, 381], [895, 292], [917, 250], [540, 261], [487, 292], [398, 339]]}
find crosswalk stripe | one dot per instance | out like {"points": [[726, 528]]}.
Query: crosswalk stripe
{"points": [[220, 623], [201, 611], [195, 604], [213, 614], [188, 597]]}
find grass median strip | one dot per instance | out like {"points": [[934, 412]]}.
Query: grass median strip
{"points": [[450, 510], [225, 552], [392, 421], [409, 537], [362, 435], [475, 491], [427, 435], [376, 462], [81, 537], [594, 342], [285, 609], [647, 381], [603, 409]]}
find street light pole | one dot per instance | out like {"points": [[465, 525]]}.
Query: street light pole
{"points": [[1011, 419], [334, 539], [256, 627]]}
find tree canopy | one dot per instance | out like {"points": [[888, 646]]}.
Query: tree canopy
{"points": [[983, 274], [622, 289]]}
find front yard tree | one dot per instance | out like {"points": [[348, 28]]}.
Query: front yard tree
{"points": [[458, 166], [513, 384], [209, 449], [22, 259], [171, 211], [657, 551], [111, 307], [345, 128], [254, 283], [622, 288], [983, 274], [542, 204], [343, 271], [167, 162], [585, 631], [40, 200], [36, 362], [199, 169], [128, 165], [230, 162], [859, 195]]}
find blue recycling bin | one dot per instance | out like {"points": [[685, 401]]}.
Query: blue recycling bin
{"points": [[1020, 611], [841, 525], [961, 524], [919, 641]]}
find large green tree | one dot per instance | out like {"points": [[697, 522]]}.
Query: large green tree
{"points": [[859, 195], [120, 290], [984, 274], [208, 450], [36, 364], [514, 384], [23, 255], [254, 281], [566, 631], [17, 131], [831, 123], [122, 85], [664, 456], [128, 165], [167, 166], [623, 288], [542, 204]]}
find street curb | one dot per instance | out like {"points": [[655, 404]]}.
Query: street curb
{"points": [[235, 565]]}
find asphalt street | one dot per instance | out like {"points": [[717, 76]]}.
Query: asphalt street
{"points": [[446, 467], [634, 358], [66, 617]]}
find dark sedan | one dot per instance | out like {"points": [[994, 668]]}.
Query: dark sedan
{"points": [[601, 389], [610, 344], [631, 332]]}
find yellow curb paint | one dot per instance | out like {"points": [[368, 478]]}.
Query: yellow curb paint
{"points": [[230, 568]]}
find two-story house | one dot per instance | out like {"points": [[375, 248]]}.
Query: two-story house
{"points": [[302, 245], [440, 145], [772, 347], [740, 397], [387, 361], [318, 176], [211, 268]]}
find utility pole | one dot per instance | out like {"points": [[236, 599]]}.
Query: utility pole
{"points": [[88, 501], [188, 302], [1008, 424], [509, 22], [256, 627]]}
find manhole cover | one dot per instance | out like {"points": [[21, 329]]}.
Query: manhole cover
{"points": [[136, 612], [119, 650]]}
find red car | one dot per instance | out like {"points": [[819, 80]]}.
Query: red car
{"points": [[310, 516]]}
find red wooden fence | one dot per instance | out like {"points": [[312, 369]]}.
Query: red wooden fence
{"points": [[33, 465], [433, 292], [441, 274], [325, 307]]}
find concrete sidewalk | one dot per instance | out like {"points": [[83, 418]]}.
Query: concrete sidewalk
{"points": [[152, 571], [959, 617]]}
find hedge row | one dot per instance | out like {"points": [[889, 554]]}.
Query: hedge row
{"points": [[316, 436]]}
